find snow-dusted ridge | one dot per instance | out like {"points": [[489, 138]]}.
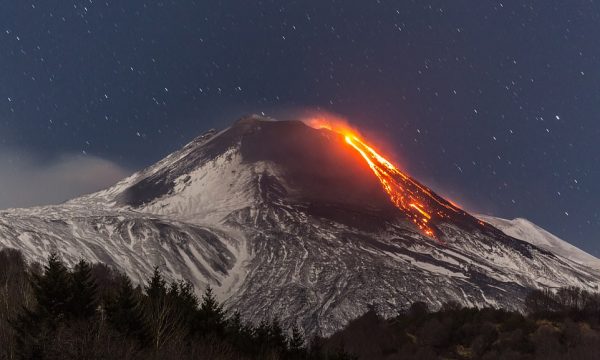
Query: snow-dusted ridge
{"points": [[283, 221], [525, 230]]}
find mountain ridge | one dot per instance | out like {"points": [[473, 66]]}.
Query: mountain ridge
{"points": [[282, 219], [523, 229]]}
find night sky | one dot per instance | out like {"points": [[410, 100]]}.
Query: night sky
{"points": [[495, 105]]}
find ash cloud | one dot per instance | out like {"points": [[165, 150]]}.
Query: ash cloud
{"points": [[26, 180]]}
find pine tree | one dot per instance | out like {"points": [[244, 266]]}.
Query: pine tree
{"points": [[52, 290], [83, 303], [162, 317], [182, 295], [157, 287], [124, 312], [52, 293], [240, 335], [211, 316], [183, 292], [210, 305]]}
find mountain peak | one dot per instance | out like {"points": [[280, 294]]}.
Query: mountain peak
{"points": [[282, 218], [317, 168], [252, 119], [310, 167]]}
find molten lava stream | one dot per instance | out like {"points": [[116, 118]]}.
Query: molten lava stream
{"points": [[403, 198]]}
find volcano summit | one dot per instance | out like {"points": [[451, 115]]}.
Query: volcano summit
{"points": [[287, 220]]}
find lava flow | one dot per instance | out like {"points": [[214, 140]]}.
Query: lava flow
{"points": [[386, 173], [412, 198]]}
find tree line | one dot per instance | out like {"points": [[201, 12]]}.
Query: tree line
{"points": [[559, 324], [90, 311]]}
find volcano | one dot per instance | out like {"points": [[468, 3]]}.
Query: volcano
{"points": [[295, 222]]}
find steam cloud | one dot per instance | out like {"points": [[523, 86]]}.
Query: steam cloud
{"points": [[25, 180]]}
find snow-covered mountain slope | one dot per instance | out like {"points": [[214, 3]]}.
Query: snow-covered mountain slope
{"points": [[289, 221], [129, 241], [527, 231]]}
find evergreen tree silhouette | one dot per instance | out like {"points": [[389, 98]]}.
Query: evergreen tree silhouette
{"points": [[211, 316], [52, 290], [157, 286], [163, 318], [125, 313], [52, 293], [183, 292], [240, 335], [83, 302], [182, 295]]}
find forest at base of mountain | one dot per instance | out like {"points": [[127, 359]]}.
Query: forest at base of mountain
{"points": [[90, 311]]}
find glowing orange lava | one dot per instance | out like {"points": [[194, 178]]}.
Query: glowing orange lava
{"points": [[386, 173], [415, 200]]}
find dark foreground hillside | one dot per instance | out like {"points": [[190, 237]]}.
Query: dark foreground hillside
{"points": [[92, 312], [561, 325]]}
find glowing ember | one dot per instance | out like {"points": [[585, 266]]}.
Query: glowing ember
{"points": [[415, 200]]}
